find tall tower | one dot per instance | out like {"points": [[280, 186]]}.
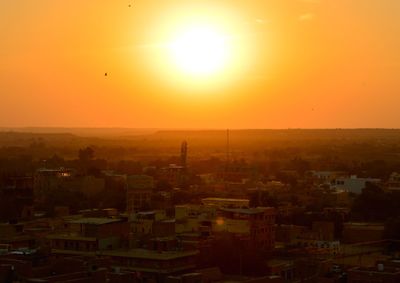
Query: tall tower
{"points": [[184, 154]]}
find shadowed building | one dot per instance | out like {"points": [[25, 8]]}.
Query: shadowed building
{"points": [[153, 265], [138, 193], [16, 199], [257, 224], [86, 236]]}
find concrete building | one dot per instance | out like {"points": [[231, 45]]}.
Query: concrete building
{"points": [[378, 274], [258, 224], [325, 230], [362, 232], [226, 202], [173, 174], [14, 237], [393, 184], [52, 181], [254, 224], [153, 265], [327, 176], [86, 236], [138, 193], [194, 218], [289, 233], [312, 246], [152, 224], [353, 184], [16, 199], [38, 268]]}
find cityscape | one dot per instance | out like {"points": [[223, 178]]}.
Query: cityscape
{"points": [[185, 141], [221, 206]]}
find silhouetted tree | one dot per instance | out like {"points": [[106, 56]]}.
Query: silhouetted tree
{"points": [[374, 204], [262, 198], [55, 161], [300, 165], [86, 154]]}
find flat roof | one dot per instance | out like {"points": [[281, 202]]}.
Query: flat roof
{"points": [[374, 270], [71, 237], [17, 238], [73, 252], [279, 262], [149, 254], [364, 224], [167, 238], [225, 199], [245, 210], [147, 212], [169, 270], [95, 220]]}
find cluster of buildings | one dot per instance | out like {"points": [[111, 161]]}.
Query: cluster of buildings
{"points": [[106, 246], [156, 240]]}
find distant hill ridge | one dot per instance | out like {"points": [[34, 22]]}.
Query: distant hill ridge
{"points": [[201, 138], [287, 133], [84, 132]]}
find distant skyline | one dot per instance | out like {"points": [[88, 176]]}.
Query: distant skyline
{"points": [[187, 64]]}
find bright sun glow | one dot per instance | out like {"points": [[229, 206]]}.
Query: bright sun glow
{"points": [[200, 51]]}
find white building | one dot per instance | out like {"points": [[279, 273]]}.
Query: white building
{"points": [[353, 184]]}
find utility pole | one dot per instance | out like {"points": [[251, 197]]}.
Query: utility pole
{"points": [[227, 149], [183, 175]]}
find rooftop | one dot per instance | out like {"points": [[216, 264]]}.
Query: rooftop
{"points": [[245, 210], [150, 254], [371, 270], [70, 237], [95, 220], [225, 199]]}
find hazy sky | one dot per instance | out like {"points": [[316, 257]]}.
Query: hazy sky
{"points": [[292, 64]]}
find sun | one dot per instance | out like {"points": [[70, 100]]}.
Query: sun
{"points": [[200, 51]]}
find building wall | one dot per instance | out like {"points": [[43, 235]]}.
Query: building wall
{"points": [[110, 243], [140, 182], [353, 184], [231, 225], [362, 232], [225, 202], [288, 233], [74, 244], [138, 199], [260, 226], [163, 228], [324, 229], [142, 226], [368, 276]]}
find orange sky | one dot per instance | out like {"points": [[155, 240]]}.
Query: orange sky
{"points": [[296, 64]]}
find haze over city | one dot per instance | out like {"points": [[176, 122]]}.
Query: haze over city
{"points": [[199, 141], [200, 64]]}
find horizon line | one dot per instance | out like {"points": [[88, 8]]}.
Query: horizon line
{"points": [[2, 128]]}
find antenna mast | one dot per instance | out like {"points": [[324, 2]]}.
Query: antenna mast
{"points": [[227, 149]]}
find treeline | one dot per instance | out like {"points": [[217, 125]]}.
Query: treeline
{"points": [[375, 204]]}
